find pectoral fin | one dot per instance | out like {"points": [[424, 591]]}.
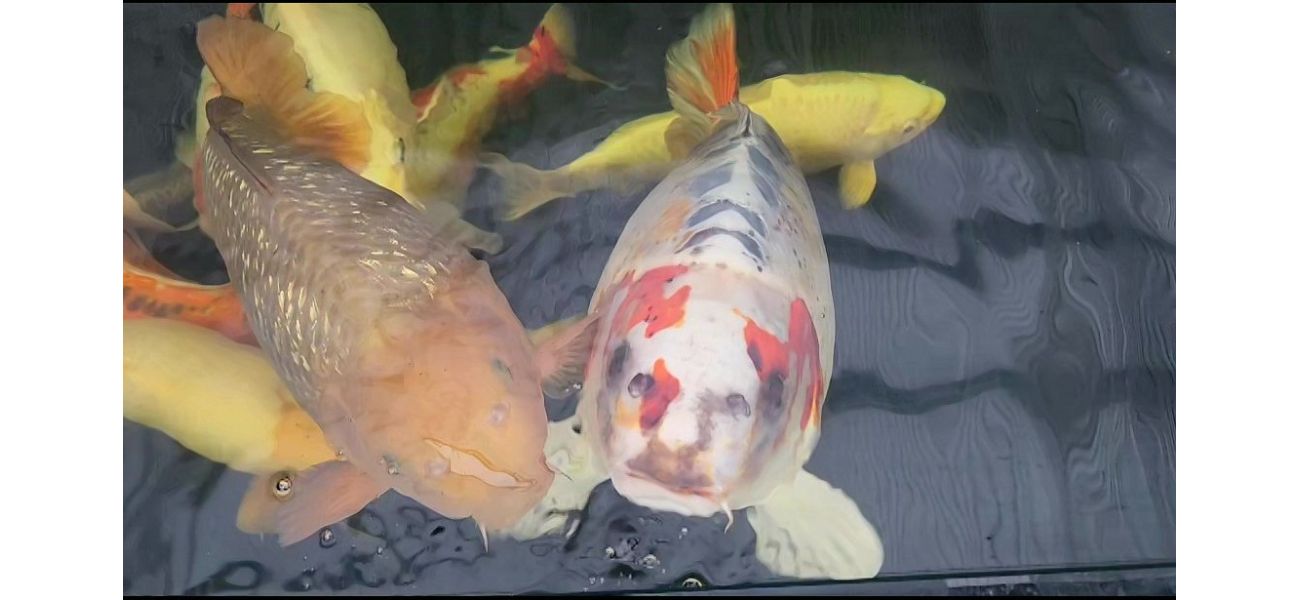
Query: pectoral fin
{"points": [[810, 530], [446, 218], [577, 473], [296, 505], [857, 182], [562, 351]]}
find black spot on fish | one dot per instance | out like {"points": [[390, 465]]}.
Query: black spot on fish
{"points": [[771, 396], [710, 180], [745, 240], [616, 361], [725, 205], [136, 303], [640, 385]]}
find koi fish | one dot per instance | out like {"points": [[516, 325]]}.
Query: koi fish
{"points": [[456, 111], [392, 337], [219, 398], [715, 338], [830, 119], [152, 291]]}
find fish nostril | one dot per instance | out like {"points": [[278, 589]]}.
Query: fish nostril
{"points": [[737, 403], [498, 414]]}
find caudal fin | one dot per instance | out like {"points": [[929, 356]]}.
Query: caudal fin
{"points": [[555, 44], [524, 188], [702, 73], [258, 66]]}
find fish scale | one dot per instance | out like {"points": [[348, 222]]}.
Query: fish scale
{"points": [[318, 233]]}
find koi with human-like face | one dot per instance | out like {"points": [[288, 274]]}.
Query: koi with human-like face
{"points": [[713, 354]]}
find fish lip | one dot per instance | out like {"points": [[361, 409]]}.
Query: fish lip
{"points": [[478, 467], [653, 494], [706, 493]]}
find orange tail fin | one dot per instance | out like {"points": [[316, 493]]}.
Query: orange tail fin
{"points": [[702, 72], [258, 66], [555, 45]]}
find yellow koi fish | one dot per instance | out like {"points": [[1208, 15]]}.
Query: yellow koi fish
{"points": [[828, 119], [219, 398], [456, 111]]}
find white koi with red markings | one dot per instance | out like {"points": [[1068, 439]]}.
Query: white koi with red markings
{"points": [[716, 333]]}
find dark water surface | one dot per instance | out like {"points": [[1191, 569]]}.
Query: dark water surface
{"points": [[1003, 394]]}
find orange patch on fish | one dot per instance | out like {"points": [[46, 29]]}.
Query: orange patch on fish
{"points": [[664, 389], [424, 97], [213, 307], [240, 10], [672, 220], [646, 303], [771, 356], [460, 75]]}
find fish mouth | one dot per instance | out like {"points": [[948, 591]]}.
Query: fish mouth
{"points": [[652, 493], [471, 463], [937, 104]]}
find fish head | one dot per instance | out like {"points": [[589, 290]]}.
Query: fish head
{"points": [[461, 425], [698, 404], [903, 109]]}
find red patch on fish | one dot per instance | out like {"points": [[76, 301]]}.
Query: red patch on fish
{"points": [[662, 392], [646, 303], [772, 357], [423, 97], [543, 59]]}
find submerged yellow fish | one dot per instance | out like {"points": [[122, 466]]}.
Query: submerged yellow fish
{"points": [[219, 398], [456, 111], [826, 119], [425, 145], [390, 335]]}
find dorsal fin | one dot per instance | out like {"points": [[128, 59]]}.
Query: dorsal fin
{"points": [[258, 66]]}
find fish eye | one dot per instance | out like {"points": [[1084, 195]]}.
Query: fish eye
{"points": [[639, 385], [282, 486]]}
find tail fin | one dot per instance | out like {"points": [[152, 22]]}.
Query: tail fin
{"points": [[258, 66], [702, 73], [555, 44], [703, 80], [523, 187]]}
